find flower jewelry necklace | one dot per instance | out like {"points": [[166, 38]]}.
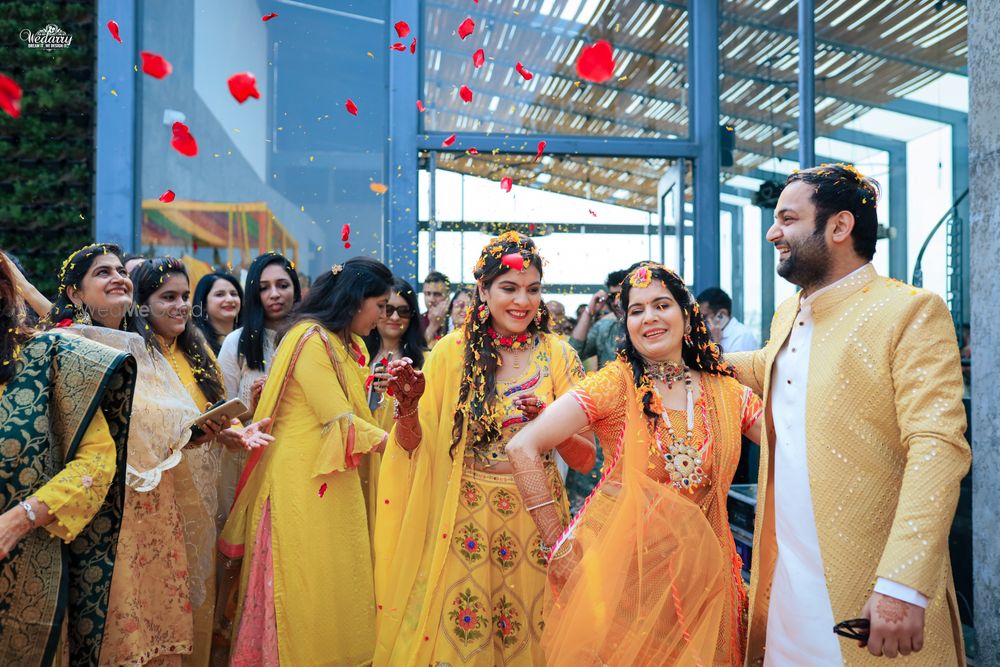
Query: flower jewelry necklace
{"points": [[667, 372], [682, 458], [513, 344]]}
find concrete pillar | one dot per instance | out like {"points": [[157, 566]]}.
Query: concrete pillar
{"points": [[984, 210]]}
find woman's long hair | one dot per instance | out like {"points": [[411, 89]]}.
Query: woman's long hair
{"points": [[413, 344], [149, 277], [200, 306], [476, 408], [251, 346], [338, 294], [13, 331], [72, 273], [701, 354]]}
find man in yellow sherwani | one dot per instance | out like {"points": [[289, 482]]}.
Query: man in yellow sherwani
{"points": [[864, 446]]}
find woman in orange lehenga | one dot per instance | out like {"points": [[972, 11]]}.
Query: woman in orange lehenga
{"points": [[647, 573]]}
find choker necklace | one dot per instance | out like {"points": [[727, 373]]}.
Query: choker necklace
{"points": [[513, 344], [682, 458], [667, 372]]}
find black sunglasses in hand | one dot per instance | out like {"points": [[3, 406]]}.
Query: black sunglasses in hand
{"points": [[855, 628]]}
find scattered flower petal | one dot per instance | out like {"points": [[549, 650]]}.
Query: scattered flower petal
{"points": [[351, 107], [478, 58], [10, 96], [513, 260], [596, 62], [64, 323], [541, 149], [113, 29], [378, 188], [243, 86], [183, 142], [413, 45], [473, 151], [268, 17], [420, 106], [398, 46], [402, 29], [449, 141], [322, 489], [506, 183], [466, 28], [155, 65], [465, 94], [345, 235], [168, 197], [522, 70], [591, 211]]}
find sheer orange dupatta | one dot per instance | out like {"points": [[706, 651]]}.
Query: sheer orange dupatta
{"points": [[648, 589]]}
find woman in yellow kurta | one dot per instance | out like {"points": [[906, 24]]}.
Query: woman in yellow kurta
{"points": [[460, 573], [647, 573], [162, 292], [299, 521], [64, 405]]}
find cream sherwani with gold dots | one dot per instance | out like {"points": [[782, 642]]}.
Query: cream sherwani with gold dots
{"points": [[885, 453]]}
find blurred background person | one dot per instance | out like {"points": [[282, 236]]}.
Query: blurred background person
{"points": [[217, 306], [459, 306], [435, 320], [730, 334]]}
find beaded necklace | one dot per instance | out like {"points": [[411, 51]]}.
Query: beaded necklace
{"points": [[682, 457]]}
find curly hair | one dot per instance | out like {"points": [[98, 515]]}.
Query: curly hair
{"points": [[476, 408], [700, 354]]}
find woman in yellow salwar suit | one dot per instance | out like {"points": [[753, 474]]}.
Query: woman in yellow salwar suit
{"points": [[299, 521], [647, 573], [460, 571]]}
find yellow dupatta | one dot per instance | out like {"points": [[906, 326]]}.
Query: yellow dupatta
{"points": [[417, 502], [649, 588]]}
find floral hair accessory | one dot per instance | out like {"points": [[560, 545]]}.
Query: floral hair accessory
{"points": [[336, 268], [641, 277]]}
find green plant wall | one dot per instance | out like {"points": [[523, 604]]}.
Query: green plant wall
{"points": [[47, 155]]}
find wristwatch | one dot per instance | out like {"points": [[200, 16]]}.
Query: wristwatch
{"points": [[27, 510]]}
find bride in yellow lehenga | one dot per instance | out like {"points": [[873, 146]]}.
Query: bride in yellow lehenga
{"points": [[460, 571], [647, 573]]}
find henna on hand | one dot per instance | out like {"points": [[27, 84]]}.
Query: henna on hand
{"points": [[891, 610], [536, 494]]}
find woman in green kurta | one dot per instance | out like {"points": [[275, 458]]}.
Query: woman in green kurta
{"points": [[64, 409]]}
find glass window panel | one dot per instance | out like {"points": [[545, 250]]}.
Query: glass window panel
{"points": [[283, 172]]}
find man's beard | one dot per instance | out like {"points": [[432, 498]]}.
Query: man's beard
{"points": [[808, 261]]}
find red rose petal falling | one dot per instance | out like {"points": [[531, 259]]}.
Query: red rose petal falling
{"points": [[10, 96], [465, 94], [513, 260], [591, 211], [402, 29], [182, 141], [155, 65], [67, 323], [541, 149], [345, 235], [420, 106], [413, 45], [268, 17], [473, 151], [398, 46], [506, 183], [528, 76], [168, 197], [351, 107], [449, 141], [243, 86], [466, 28], [478, 58], [596, 62], [322, 489], [113, 29]]}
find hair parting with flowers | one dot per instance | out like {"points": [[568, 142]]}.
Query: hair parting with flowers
{"points": [[71, 274], [698, 351], [476, 410]]}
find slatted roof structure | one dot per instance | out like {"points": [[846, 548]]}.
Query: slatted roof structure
{"points": [[869, 53]]}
